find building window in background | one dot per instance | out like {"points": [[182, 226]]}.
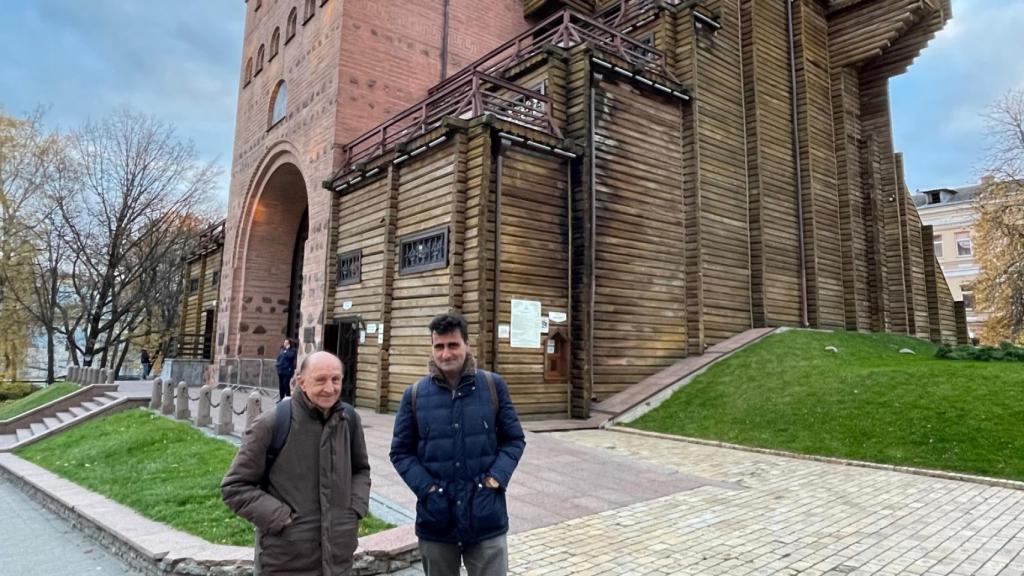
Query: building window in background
{"points": [[963, 244]]}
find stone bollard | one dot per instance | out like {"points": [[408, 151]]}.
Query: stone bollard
{"points": [[155, 399], [71, 374], [225, 414], [94, 374], [253, 405], [167, 405], [181, 402], [203, 410], [110, 376]]}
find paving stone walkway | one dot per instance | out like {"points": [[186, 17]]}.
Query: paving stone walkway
{"points": [[34, 541], [792, 517]]}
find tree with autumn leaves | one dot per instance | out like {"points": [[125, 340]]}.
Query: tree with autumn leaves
{"points": [[999, 233]]}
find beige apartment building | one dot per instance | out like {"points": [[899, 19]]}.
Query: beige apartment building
{"points": [[950, 212]]}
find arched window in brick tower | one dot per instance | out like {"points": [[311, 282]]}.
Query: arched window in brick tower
{"points": [[289, 29], [259, 60], [275, 42], [248, 71], [309, 11], [278, 103]]}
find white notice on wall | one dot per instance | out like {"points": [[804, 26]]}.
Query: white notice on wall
{"points": [[557, 317], [503, 331], [380, 336], [362, 336], [371, 328], [551, 346], [525, 324], [544, 326], [346, 305]]}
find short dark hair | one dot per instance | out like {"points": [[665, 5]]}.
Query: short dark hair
{"points": [[449, 322]]}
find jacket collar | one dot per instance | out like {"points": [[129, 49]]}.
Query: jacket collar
{"points": [[468, 370]]}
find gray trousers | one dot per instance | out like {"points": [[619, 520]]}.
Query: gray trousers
{"points": [[487, 558]]}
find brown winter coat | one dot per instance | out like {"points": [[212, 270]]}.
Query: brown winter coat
{"points": [[321, 480]]}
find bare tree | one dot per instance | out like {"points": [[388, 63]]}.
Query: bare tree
{"points": [[33, 168], [999, 234], [141, 189]]}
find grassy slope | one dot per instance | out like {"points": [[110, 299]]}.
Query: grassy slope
{"points": [[165, 470], [36, 399], [867, 403]]}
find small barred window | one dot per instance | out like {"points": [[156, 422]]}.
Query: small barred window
{"points": [[425, 251], [350, 267]]}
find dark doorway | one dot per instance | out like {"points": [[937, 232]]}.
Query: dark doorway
{"points": [[208, 336], [342, 339], [295, 291]]}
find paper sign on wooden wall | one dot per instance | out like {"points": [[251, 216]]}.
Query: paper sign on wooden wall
{"points": [[525, 324]]}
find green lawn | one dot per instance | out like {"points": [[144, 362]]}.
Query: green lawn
{"points": [[865, 403], [165, 470], [36, 399]]}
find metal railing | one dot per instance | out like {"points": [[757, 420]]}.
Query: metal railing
{"points": [[477, 89]]}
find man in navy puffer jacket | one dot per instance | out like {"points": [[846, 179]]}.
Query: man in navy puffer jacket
{"points": [[456, 442]]}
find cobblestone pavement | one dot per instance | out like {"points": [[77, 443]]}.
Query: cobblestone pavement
{"points": [[793, 517], [34, 541]]}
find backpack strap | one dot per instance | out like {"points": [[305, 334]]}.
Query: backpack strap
{"points": [[489, 378], [282, 426], [415, 389]]}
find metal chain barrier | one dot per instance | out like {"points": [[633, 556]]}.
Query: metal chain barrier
{"points": [[196, 399], [238, 413]]}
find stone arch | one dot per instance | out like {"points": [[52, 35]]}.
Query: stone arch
{"points": [[264, 258]]}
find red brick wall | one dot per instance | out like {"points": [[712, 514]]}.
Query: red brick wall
{"points": [[352, 66]]}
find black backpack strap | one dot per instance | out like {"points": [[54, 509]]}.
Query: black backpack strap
{"points": [[282, 426], [415, 388], [489, 377]]}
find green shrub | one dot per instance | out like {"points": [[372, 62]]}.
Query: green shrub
{"points": [[14, 390], [1005, 352]]}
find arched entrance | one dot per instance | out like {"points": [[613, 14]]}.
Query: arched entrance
{"points": [[272, 258]]}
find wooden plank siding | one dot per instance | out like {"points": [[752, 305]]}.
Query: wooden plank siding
{"points": [[720, 202], [774, 243], [913, 258], [640, 303], [577, 93], [874, 218], [426, 190], [822, 233], [361, 218], [533, 265], [941, 318]]}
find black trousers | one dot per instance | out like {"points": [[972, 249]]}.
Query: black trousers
{"points": [[284, 384]]}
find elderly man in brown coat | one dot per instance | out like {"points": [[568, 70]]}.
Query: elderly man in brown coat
{"points": [[307, 508]]}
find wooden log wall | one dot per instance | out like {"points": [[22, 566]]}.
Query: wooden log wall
{"points": [[774, 252], [578, 111], [426, 194], [478, 276], [941, 317], [874, 219], [913, 258], [855, 201], [822, 232], [533, 265], [875, 120], [960, 314], [640, 299], [719, 280], [361, 218], [195, 304]]}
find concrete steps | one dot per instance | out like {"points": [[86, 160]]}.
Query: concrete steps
{"points": [[44, 426]]}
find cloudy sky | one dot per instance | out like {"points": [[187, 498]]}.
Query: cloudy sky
{"points": [[180, 61]]}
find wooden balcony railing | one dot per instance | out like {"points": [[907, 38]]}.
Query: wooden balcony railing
{"points": [[477, 89], [474, 95]]}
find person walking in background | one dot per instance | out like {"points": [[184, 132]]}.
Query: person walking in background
{"points": [[146, 365], [285, 365], [456, 443]]}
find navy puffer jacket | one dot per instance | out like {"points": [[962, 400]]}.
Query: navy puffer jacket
{"points": [[455, 439]]}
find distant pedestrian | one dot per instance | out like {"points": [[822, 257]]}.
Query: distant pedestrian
{"points": [[457, 441], [285, 365], [146, 364]]}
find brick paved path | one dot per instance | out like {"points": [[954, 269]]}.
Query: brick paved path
{"points": [[34, 541], [792, 517]]}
